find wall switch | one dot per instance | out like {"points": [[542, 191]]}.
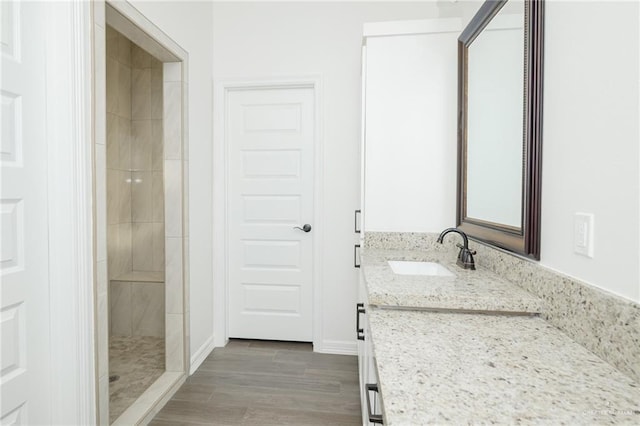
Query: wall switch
{"points": [[583, 234]]}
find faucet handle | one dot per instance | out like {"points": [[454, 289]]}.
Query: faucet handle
{"points": [[460, 246]]}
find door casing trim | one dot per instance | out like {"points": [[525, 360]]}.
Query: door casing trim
{"points": [[70, 212]]}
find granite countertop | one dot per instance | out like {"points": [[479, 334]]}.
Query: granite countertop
{"points": [[447, 368], [479, 290]]}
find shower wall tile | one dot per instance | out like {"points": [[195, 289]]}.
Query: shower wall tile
{"points": [[113, 198], [139, 57], [120, 308], [102, 315], [124, 248], [124, 196], [185, 198], [174, 342], [112, 43], [157, 152], [103, 334], [112, 250], [124, 50], [158, 247], [141, 197], [148, 247], [173, 198], [174, 275], [113, 152], [187, 271], [147, 316], [157, 197], [103, 391], [172, 121], [142, 243], [112, 83], [124, 91], [99, 76], [156, 93], [141, 94], [124, 143], [185, 115], [100, 170], [172, 71], [101, 277], [141, 145], [99, 15]]}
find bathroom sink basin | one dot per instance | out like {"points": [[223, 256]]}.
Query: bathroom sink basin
{"points": [[433, 269]]}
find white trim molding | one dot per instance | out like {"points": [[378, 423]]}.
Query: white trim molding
{"points": [[221, 193], [201, 354], [418, 26], [70, 177], [337, 347]]}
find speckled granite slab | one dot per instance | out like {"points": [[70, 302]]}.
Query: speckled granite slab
{"points": [[602, 322], [443, 368], [479, 290], [409, 241]]}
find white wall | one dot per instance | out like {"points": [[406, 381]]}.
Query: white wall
{"points": [[190, 25], [266, 40], [590, 140]]}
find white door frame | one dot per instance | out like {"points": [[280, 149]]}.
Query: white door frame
{"points": [[221, 180], [70, 214]]}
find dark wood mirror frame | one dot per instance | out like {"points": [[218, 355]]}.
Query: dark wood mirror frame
{"points": [[526, 239]]}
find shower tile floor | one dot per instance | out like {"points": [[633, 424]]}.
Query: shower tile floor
{"points": [[138, 361]]}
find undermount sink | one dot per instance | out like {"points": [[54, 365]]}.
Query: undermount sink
{"points": [[433, 269]]}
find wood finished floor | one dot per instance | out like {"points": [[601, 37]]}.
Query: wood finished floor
{"points": [[252, 382]]}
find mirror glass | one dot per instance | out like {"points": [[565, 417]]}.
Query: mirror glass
{"points": [[500, 63], [495, 93]]}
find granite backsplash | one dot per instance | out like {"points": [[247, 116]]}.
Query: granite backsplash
{"points": [[604, 323]]}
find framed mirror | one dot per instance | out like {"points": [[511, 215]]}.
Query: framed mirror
{"points": [[500, 63]]}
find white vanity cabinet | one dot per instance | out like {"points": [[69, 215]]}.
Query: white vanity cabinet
{"points": [[370, 399]]}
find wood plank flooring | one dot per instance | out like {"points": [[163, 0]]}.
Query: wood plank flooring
{"points": [[252, 382]]}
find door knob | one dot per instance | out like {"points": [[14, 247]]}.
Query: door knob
{"points": [[306, 227]]}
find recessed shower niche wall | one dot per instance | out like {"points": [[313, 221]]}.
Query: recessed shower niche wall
{"points": [[135, 219]]}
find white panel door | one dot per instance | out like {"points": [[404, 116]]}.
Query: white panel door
{"points": [[270, 137], [24, 312]]}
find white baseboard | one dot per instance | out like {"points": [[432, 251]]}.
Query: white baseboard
{"points": [[219, 342], [201, 354], [338, 347]]}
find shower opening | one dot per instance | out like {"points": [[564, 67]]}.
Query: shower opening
{"points": [[135, 220], [141, 214]]}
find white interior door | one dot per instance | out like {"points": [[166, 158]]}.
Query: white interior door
{"points": [[24, 312], [271, 148]]}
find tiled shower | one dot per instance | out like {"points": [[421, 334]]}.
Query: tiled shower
{"points": [[135, 219]]}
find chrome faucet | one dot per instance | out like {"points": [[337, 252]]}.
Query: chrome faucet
{"points": [[465, 257]]}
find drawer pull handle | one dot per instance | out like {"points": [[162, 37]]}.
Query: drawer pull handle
{"points": [[356, 264], [359, 310], [373, 418]]}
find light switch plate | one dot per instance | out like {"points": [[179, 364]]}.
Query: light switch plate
{"points": [[583, 234]]}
